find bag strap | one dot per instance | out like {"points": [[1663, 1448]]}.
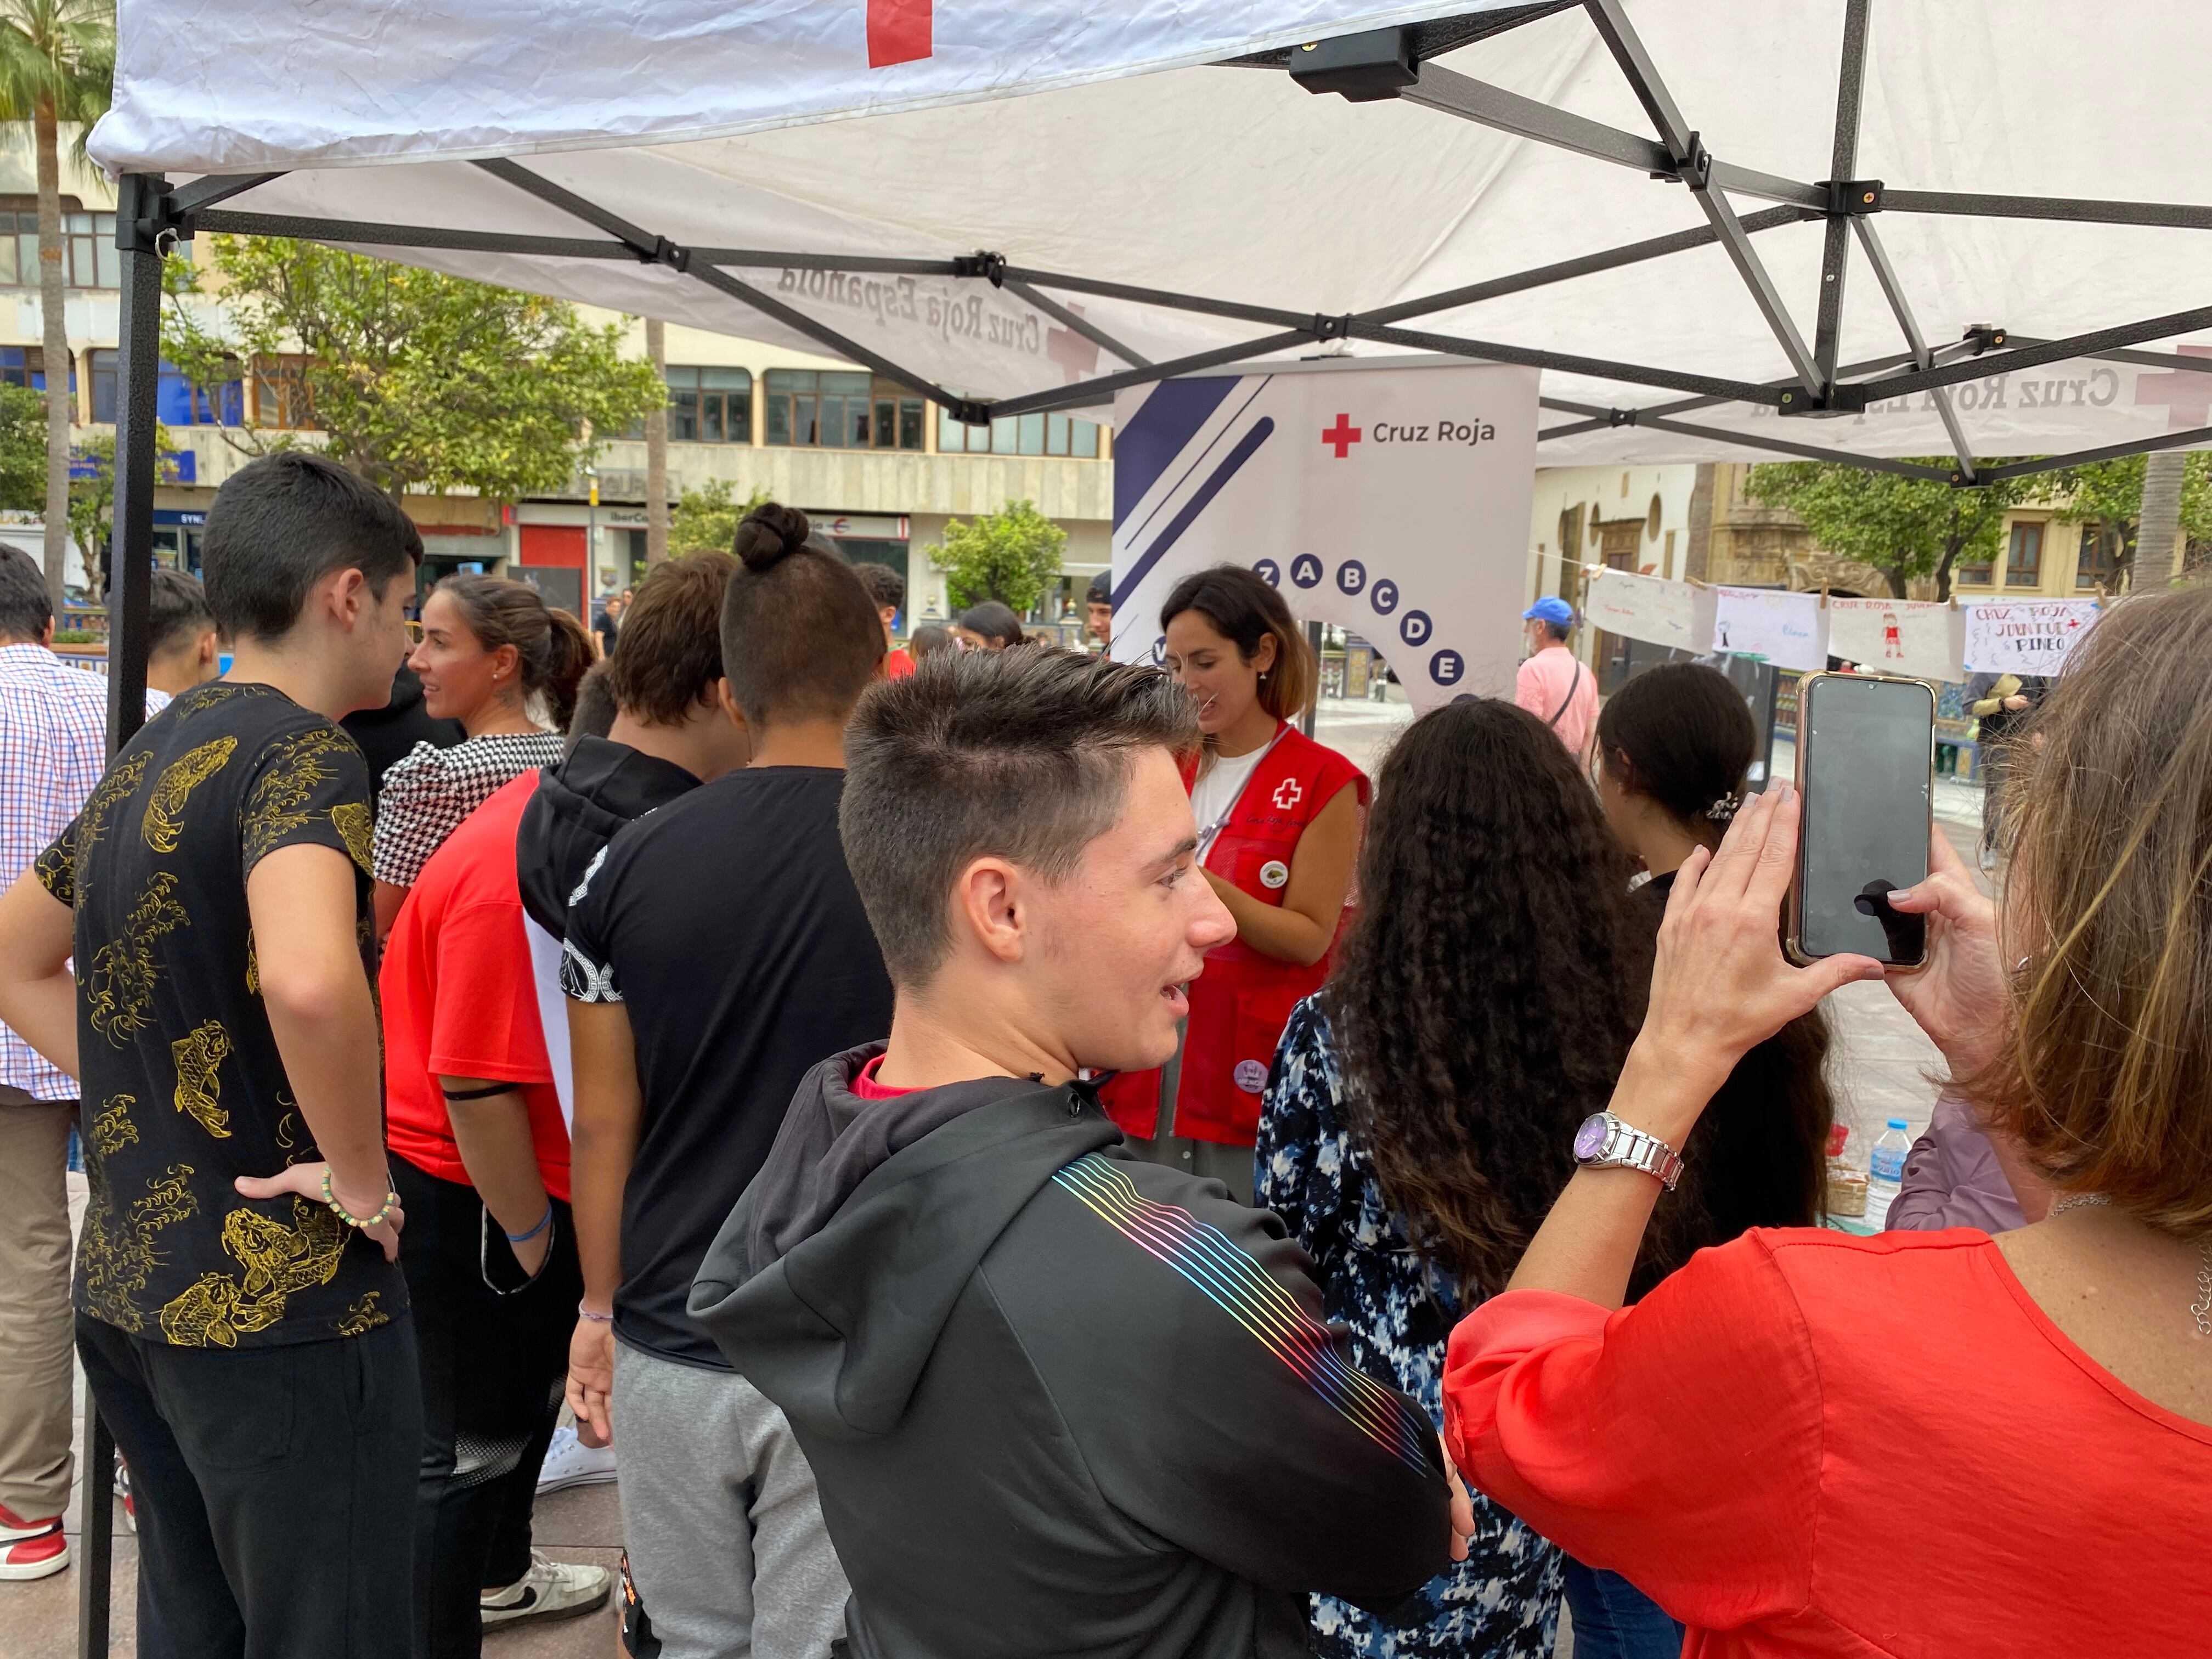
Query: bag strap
{"points": [[1573, 686]]}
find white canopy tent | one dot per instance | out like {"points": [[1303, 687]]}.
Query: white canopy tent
{"points": [[1699, 218]]}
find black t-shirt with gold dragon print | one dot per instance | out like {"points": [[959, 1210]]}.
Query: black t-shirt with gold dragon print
{"points": [[183, 1089]]}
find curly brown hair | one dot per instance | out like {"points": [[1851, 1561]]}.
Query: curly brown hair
{"points": [[1491, 985]]}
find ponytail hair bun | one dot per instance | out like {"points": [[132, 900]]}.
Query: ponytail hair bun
{"points": [[768, 533]]}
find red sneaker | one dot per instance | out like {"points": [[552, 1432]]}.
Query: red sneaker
{"points": [[31, 1549]]}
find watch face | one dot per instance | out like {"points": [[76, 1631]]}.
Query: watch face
{"points": [[1590, 1139]]}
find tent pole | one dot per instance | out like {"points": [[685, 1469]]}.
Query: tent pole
{"points": [[1893, 291], [722, 282], [143, 235], [2145, 358], [359, 234], [1090, 331], [1779, 446], [1697, 169], [2050, 351], [2197, 438], [1835, 254], [2170, 215], [213, 188]]}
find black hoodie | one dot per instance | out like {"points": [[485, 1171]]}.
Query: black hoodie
{"points": [[1059, 1401], [597, 787]]}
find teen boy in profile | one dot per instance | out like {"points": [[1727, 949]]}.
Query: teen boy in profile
{"points": [[1056, 1401]]}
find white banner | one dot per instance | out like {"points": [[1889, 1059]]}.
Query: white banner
{"points": [[1392, 502], [1650, 609], [1787, 629], [2025, 636], [1912, 637]]}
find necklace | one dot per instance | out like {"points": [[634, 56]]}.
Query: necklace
{"points": [[2200, 1310]]}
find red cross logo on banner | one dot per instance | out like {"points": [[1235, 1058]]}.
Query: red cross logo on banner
{"points": [[1288, 795], [1343, 434], [2186, 392], [899, 31]]}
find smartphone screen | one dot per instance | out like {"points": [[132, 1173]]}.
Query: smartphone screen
{"points": [[1864, 747]]}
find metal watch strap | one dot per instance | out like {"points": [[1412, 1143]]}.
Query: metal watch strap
{"points": [[1629, 1148]]}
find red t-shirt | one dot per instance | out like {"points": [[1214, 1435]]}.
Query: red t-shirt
{"points": [[458, 998], [865, 1086], [898, 664], [1806, 1444]]}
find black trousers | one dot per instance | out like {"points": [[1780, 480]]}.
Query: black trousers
{"points": [[273, 1489], [493, 1347]]}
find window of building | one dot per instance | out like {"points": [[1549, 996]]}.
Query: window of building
{"points": [[1979, 575], [2100, 563], [176, 401], [1020, 434], [824, 408], [24, 366], [280, 393], [2024, 560], [710, 406], [899, 417], [89, 257]]}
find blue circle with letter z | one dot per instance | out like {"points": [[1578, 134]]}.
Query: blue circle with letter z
{"points": [[1383, 597], [1305, 570], [1415, 628], [1350, 576], [1268, 572], [1446, 667]]}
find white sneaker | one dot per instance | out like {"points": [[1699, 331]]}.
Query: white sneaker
{"points": [[570, 1463], [551, 1589]]}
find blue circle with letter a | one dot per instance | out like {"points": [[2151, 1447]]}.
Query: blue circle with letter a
{"points": [[1415, 628], [1268, 572], [1446, 667], [1350, 576], [1383, 597], [1305, 570]]}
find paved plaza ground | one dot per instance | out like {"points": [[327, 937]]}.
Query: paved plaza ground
{"points": [[1880, 1067]]}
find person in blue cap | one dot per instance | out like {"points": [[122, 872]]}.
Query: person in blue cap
{"points": [[1553, 684]]}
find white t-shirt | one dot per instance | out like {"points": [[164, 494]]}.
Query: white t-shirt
{"points": [[1215, 793]]}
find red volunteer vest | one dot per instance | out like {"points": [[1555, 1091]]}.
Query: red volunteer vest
{"points": [[1240, 1003]]}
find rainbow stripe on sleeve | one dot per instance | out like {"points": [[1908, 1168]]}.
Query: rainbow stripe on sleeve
{"points": [[1240, 1287]]}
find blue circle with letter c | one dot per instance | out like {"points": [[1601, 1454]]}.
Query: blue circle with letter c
{"points": [[1268, 572], [1415, 628], [1383, 596]]}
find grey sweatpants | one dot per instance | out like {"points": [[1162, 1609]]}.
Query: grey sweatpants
{"points": [[725, 1535]]}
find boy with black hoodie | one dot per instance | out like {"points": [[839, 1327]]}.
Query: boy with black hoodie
{"points": [[1056, 1401]]}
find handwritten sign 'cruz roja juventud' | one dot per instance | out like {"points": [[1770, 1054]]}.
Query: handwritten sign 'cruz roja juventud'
{"points": [[2025, 636]]}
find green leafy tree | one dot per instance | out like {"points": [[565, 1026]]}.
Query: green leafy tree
{"points": [[706, 519], [2111, 493], [57, 66], [418, 381], [1008, 556], [1907, 529], [22, 449], [92, 498]]}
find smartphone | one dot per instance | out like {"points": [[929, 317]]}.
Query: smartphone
{"points": [[1865, 753]]}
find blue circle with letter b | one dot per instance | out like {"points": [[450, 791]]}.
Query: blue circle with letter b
{"points": [[1446, 667], [1415, 628], [1350, 576]]}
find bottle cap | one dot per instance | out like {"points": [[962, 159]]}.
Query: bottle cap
{"points": [[1897, 1124]]}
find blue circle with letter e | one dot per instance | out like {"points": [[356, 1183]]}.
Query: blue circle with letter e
{"points": [[1305, 570], [1446, 666], [1350, 576], [1384, 596], [1269, 572], [1415, 628]]}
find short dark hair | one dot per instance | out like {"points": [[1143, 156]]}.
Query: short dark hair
{"points": [[993, 621], [280, 524], [801, 636], [594, 713], [928, 638], [25, 604], [1023, 754], [1101, 590], [1557, 632], [669, 654], [1244, 610], [176, 611], [884, 584]]}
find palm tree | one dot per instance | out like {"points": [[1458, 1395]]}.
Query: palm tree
{"points": [[2160, 526], [57, 65]]}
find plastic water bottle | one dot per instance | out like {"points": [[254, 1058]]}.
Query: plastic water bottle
{"points": [[1885, 1171]]}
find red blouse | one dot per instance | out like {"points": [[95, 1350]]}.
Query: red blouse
{"points": [[1808, 1443]]}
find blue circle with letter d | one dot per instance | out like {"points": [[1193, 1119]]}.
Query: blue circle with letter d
{"points": [[1415, 628]]}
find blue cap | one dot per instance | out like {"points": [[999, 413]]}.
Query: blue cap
{"points": [[1898, 1123], [1557, 611]]}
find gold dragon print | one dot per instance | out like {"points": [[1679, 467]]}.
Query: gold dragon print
{"points": [[252, 966], [298, 768], [111, 1128], [198, 1054], [356, 827], [55, 867], [363, 1314], [219, 1308], [165, 802], [116, 1257], [120, 993], [121, 782]]}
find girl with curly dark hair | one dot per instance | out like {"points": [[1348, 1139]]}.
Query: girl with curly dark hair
{"points": [[1419, 1120]]}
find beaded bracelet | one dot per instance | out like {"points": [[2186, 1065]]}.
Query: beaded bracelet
{"points": [[583, 1312], [391, 1203]]}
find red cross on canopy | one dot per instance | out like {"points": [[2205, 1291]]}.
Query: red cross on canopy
{"points": [[1343, 434], [899, 31], [1076, 354], [2186, 392]]}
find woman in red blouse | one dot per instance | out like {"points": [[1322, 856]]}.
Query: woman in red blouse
{"points": [[1938, 1443]]}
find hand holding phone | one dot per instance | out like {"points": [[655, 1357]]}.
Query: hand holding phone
{"points": [[1866, 769]]}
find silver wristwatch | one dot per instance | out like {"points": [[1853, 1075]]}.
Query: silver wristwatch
{"points": [[1604, 1142]]}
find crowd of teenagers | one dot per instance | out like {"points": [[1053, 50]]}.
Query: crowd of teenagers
{"points": [[1021, 1155]]}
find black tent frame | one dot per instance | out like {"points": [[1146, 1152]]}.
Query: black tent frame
{"points": [[152, 216]]}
